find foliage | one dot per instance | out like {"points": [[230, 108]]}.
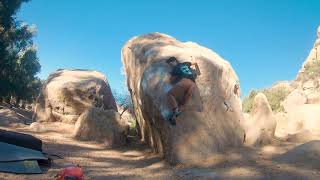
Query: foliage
{"points": [[123, 99], [275, 97], [312, 70], [18, 56], [247, 103]]}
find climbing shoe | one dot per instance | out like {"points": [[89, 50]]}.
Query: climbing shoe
{"points": [[175, 113], [172, 120]]}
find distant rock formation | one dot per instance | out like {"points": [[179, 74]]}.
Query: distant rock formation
{"points": [[303, 102], [197, 135], [297, 119], [68, 93], [314, 55]]}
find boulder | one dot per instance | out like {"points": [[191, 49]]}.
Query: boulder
{"points": [[100, 125], [68, 93], [294, 99], [298, 123], [313, 98], [261, 125], [283, 123], [37, 127], [197, 135], [304, 117]]}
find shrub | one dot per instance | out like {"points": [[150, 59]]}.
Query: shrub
{"points": [[274, 95], [247, 103], [312, 70]]}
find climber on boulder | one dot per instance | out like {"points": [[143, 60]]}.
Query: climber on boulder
{"points": [[183, 77]]}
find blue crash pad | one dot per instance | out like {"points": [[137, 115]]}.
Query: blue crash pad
{"points": [[9, 152], [21, 167]]}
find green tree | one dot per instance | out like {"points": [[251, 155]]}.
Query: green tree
{"points": [[18, 56]]}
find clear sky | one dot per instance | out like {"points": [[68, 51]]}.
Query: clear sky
{"points": [[264, 40]]}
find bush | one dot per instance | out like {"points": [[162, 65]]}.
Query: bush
{"points": [[274, 95], [247, 103], [312, 70]]}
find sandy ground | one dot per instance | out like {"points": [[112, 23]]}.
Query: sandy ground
{"points": [[136, 161]]}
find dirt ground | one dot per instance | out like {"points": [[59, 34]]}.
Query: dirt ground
{"points": [[136, 161]]}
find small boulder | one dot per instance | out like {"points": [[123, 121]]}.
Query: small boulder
{"points": [[261, 125], [100, 125], [37, 127]]}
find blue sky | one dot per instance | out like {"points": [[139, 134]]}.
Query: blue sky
{"points": [[264, 40]]}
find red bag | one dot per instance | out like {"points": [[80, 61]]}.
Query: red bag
{"points": [[71, 173]]}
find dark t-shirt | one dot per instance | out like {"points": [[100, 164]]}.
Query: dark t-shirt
{"points": [[183, 70]]}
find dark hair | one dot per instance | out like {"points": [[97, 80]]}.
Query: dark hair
{"points": [[172, 59]]}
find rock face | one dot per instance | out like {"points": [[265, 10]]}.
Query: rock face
{"points": [[305, 117], [294, 99], [68, 93], [100, 125], [261, 124], [197, 135]]}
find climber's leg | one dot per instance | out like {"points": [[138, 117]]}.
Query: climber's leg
{"points": [[175, 96]]}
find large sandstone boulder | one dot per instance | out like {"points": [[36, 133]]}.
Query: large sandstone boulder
{"points": [[100, 125], [197, 135], [68, 93], [261, 124]]}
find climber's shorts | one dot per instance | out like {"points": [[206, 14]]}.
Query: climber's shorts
{"points": [[177, 94]]}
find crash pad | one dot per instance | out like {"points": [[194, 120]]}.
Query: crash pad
{"points": [[21, 167], [9, 152], [20, 139]]}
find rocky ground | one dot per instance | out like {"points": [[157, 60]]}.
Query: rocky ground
{"points": [[136, 161]]}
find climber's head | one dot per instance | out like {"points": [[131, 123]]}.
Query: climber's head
{"points": [[172, 61]]}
